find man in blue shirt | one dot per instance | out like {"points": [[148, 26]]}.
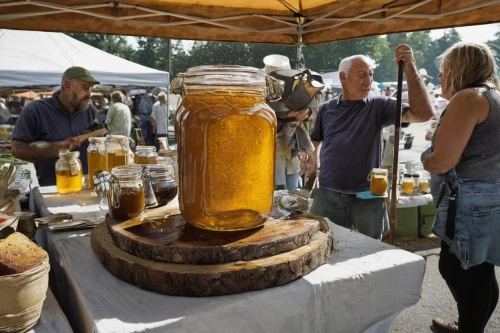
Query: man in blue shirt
{"points": [[58, 120], [349, 128]]}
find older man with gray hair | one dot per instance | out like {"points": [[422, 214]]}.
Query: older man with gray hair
{"points": [[349, 128], [119, 118]]}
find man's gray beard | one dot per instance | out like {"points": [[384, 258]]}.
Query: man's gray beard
{"points": [[80, 104]]}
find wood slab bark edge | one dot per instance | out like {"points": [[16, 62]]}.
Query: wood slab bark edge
{"points": [[210, 280]]}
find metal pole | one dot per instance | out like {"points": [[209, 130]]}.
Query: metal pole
{"points": [[169, 64], [397, 128]]}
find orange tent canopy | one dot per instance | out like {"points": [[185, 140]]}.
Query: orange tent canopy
{"points": [[266, 21]]}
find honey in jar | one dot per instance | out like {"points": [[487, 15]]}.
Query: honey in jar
{"points": [[423, 184], [94, 158], [378, 181], [145, 155], [68, 172], [408, 184], [226, 146], [126, 193], [117, 151], [163, 182]]}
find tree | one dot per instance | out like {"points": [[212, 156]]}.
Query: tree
{"points": [[113, 44], [420, 42], [438, 46], [494, 44]]}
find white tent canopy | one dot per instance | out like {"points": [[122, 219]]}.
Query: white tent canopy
{"points": [[33, 58]]}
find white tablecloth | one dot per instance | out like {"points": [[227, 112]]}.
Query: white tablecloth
{"points": [[52, 318], [362, 288]]}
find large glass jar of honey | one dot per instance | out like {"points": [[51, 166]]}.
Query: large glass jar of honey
{"points": [[117, 151], [95, 159], [68, 172], [126, 192], [226, 146], [145, 155]]}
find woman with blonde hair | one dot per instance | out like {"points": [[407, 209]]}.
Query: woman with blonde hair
{"points": [[465, 168]]}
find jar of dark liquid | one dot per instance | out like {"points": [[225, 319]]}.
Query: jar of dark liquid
{"points": [[126, 192], [163, 182], [226, 135]]}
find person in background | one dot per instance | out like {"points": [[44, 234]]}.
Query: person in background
{"points": [[464, 163], [349, 128], [145, 110], [4, 112], [119, 118], [58, 120], [292, 138], [159, 118]]}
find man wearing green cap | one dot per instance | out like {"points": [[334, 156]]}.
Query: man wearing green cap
{"points": [[58, 120]]}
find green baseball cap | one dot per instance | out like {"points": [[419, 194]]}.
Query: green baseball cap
{"points": [[81, 73]]}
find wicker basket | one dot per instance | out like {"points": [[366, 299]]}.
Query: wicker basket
{"points": [[22, 298]]}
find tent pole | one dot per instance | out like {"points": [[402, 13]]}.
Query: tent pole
{"points": [[395, 162], [169, 64], [299, 57]]}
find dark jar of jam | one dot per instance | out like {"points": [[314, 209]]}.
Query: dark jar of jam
{"points": [[163, 182], [126, 192]]}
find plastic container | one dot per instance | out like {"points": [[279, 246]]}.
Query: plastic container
{"points": [[378, 181], [126, 192], [68, 172], [226, 146]]}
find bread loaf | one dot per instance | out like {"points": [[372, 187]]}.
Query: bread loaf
{"points": [[19, 254]]}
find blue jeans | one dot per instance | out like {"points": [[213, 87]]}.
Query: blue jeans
{"points": [[477, 221], [368, 216], [293, 181]]}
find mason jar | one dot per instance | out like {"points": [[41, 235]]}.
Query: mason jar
{"points": [[68, 172], [117, 151], [408, 185], [126, 192], [226, 146], [145, 155], [163, 184], [378, 181], [94, 158]]}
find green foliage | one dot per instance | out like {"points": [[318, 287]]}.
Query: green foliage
{"points": [[113, 44]]}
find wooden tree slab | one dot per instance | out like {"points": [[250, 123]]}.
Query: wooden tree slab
{"points": [[173, 240], [210, 280]]}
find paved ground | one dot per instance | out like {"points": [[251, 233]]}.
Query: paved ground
{"points": [[436, 299]]}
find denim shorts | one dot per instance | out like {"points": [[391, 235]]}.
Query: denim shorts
{"points": [[477, 222]]}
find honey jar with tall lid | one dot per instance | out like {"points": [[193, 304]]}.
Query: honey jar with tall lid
{"points": [[378, 181], [117, 151], [94, 158], [145, 155], [126, 192], [226, 146], [68, 172], [408, 185]]}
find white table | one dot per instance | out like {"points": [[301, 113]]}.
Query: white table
{"points": [[52, 318], [362, 288]]}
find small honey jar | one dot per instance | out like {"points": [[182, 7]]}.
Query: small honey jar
{"points": [[408, 184], [145, 155], [378, 181], [68, 172], [126, 192]]}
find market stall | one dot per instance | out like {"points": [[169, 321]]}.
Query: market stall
{"points": [[362, 288]]}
